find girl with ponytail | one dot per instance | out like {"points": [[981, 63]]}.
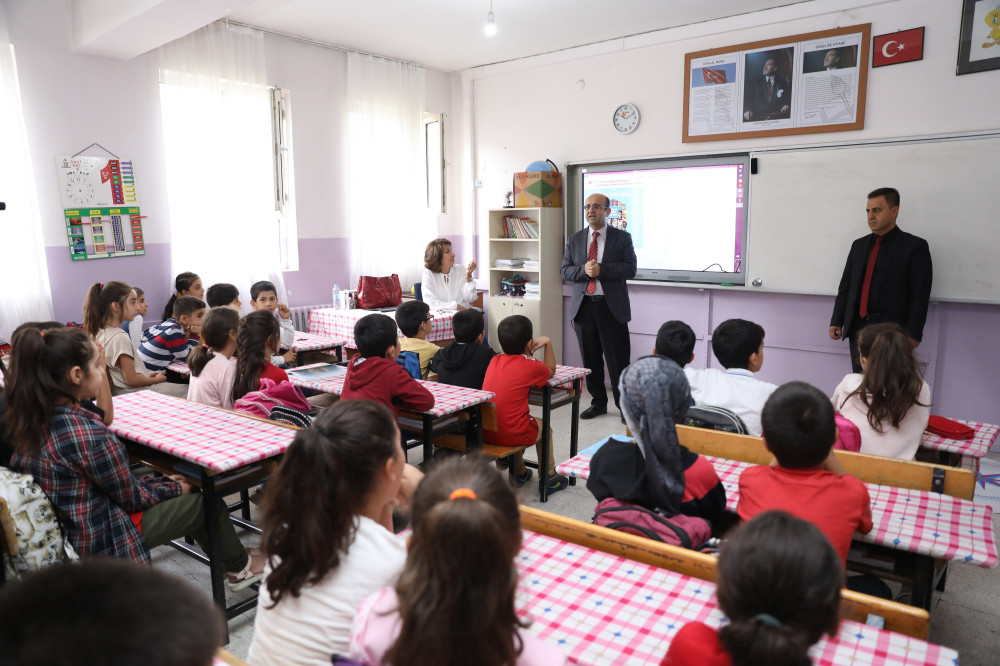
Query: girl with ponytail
{"points": [[185, 284], [466, 534], [257, 340], [890, 401], [213, 368], [779, 583]]}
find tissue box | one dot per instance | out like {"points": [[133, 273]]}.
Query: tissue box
{"points": [[537, 188]]}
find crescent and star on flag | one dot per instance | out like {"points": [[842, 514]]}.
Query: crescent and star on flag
{"points": [[885, 49]]}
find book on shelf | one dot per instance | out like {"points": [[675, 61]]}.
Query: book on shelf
{"points": [[508, 263], [520, 227], [531, 265]]}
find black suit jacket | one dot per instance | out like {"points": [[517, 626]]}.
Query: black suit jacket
{"points": [[901, 283], [618, 264]]}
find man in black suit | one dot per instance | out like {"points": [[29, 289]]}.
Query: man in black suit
{"points": [[769, 96], [887, 277], [598, 260]]}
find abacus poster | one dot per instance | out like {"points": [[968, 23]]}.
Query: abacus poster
{"points": [[100, 207]]}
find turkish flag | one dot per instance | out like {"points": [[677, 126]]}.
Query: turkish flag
{"points": [[897, 47], [713, 75]]}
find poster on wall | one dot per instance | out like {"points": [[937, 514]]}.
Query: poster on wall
{"points": [[100, 207], [801, 84]]}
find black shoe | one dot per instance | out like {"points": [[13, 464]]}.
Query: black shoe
{"points": [[592, 411], [556, 483], [623, 419], [521, 479]]}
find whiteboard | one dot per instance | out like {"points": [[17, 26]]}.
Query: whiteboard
{"points": [[808, 205]]}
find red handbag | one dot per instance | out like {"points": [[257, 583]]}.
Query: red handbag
{"points": [[939, 425], [379, 292]]}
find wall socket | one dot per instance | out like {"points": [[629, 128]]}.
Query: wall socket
{"points": [[477, 183]]}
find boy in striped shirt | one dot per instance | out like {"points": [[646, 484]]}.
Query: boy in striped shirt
{"points": [[170, 340]]}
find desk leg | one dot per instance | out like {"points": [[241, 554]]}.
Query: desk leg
{"points": [[340, 353], [543, 457], [428, 439], [474, 432], [574, 424], [923, 581], [212, 536]]}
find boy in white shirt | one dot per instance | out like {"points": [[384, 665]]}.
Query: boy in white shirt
{"points": [[738, 345], [264, 296]]}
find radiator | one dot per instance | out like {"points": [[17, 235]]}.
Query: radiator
{"points": [[300, 315]]}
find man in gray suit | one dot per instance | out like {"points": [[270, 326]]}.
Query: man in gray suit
{"points": [[598, 260]]}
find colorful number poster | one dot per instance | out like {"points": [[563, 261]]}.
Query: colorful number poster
{"points": [[100, 207]]}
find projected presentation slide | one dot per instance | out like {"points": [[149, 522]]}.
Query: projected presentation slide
{"points": [[681, 218]]}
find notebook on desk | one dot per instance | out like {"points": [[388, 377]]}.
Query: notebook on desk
{"points": [[320, 371]]}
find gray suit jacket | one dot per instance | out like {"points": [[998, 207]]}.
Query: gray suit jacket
{"points": [[618, 265]]}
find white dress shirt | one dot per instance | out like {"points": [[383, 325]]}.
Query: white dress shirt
{"points": [[735, 389]]}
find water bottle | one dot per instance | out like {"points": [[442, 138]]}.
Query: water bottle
{"points": [[337, 298]]}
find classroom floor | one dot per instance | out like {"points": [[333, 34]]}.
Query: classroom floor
{"points": [[966, 616]]}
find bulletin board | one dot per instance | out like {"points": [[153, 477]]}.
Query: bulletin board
{"points": [[100, 207]]}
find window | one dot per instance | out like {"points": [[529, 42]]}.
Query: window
{"points": [[434, 148]]}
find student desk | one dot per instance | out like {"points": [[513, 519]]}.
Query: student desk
{"points": [[221, 451], [307, 342], [977, 446], [448, 401], [556, 389], [929, 525], [603, 609], [339, 324]]}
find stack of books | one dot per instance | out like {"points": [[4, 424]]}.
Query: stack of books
{"points": [[532, 291], [530, 265], [508, 263], [520, 227]]}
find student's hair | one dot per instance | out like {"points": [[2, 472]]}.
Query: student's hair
{"points": [[434, 253], [891, 195], [186, 305], [256, 330], [798, 425], [675, 340], [312, 502], [468, 324], [257, 288], [514, 334], [97, 305], [40, 360], [410, 315], [374, 334], [219, 322], [457, 544], [110, 612], [779, 585], [891, 382], [734, 340], [221, 294], [139, 293], [182, 282]]}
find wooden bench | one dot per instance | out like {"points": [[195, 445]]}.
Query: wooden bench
{"points": [[884, 471], [899, 618], [489, 422]]}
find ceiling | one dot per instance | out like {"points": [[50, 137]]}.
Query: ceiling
{"points": [[448, 34]]}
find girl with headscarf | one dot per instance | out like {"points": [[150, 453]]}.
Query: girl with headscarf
{"points": [[655, 471]]}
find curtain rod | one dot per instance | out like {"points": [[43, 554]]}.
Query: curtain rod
{"points": [[313, 42]]}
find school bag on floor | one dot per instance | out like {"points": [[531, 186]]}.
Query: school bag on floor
{"points": [[715, 418], [680, 530]]}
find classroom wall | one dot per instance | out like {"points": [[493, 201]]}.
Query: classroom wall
{"points": [[559, 106], [72, 100]]}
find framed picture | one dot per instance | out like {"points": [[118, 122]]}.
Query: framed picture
{"points": [[800, 84], [979, 46]]}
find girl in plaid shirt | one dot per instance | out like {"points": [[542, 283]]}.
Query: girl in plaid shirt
{"points": [[83, 467]]}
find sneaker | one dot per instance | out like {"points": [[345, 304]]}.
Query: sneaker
{"points": [[556, 483], [521, 479], [251, 573]]}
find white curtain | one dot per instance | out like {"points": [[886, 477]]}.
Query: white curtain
{"points": [[389, 220], [23, 271], [218, 144]]}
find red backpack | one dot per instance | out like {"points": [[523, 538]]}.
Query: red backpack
{"points": [[680, 530]]}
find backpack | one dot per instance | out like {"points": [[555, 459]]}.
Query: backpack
{"points": [[680, 530], [410, 360], [848, 434], [34, 523], [290, 415], [715, 418], [271, 395]]}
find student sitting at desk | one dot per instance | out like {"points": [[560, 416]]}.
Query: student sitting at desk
{"points": [[224, 295], [808, 481], [264, 296], [173, 339], [83, 468], [373, 373], [414, 320], [890, 401], [739, 346], [675, 340], [213, 368], [464, 361], [256, 343]]}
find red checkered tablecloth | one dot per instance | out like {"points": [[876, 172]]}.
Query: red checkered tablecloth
{"points": [[180, 367], [603, 609], [308, 342], [447, 399], [567, 374], [209, 437], [979, 445], [913, 520], [339, 324]]}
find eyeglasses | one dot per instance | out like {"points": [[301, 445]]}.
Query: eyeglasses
{"points": [[430, 317], [594, 207]]}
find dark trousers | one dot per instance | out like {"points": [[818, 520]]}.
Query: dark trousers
{"points": [[853, 340], [602, 338]]}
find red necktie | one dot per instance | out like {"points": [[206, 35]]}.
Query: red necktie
{"points": [[866, 285], [592, 256], [769, 90]]}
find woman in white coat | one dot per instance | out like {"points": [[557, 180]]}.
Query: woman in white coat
{"points": [[446, 285]]}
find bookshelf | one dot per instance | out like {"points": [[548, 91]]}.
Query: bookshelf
{"points": [[546, 313]]}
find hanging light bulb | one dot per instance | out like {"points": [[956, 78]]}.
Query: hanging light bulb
{"points": [[491, 27]]}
